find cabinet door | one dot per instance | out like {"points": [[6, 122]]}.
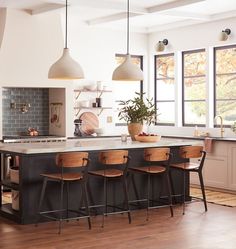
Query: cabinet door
{"points": [[232, 166], [216, 172]]}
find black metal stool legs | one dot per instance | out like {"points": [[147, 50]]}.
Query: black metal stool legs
{"points": [[184, 192], [169, 193], [135, 189], [85, 198], [67, 200], [61, 206], [41, 199], [148, 193], [126, 197], [203, 189], [105, 200]]}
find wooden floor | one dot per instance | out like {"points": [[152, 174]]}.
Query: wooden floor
{"points": [[215, 229]]}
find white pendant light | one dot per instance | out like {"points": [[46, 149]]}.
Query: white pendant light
{"points": [[66, 68], [127, 71]]}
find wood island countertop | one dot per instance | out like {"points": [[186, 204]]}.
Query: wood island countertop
{"points": [[84, 145]]}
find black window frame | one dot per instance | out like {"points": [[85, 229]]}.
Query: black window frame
{"points": [[214, 78], [141, 81], [155, 88], [183, 92]]}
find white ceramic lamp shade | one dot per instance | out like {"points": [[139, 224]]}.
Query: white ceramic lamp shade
{"points": [[127, 71], [65, 68]]}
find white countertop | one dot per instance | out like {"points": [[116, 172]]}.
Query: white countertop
{"points": [[83, 145]]}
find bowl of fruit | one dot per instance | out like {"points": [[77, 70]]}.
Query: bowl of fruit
{"points": [[147, 138]]}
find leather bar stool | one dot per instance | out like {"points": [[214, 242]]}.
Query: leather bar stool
{"points": [[156, 163], [66, 161], [115, 163], [189, 152]]}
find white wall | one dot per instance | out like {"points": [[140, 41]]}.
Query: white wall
{"points": [[32, 43], [95, 48], [188, 38]]}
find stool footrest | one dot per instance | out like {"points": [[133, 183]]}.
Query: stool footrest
{"points": [[64, 219], [118, 212], [139, 200], [154, 207], [44, 213], [52, 211]]}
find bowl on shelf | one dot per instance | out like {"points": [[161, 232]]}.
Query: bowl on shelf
{"points": [[99, 131], [84, 103], [92, 87], [148, 139]]}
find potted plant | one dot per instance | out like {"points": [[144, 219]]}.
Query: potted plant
{"points": [[136, 112]]}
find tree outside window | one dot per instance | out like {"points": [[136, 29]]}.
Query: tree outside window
{"points": [[194, 88], [165, 89], [225, 83]]}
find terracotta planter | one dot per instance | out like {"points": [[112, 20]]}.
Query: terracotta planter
{"points": [[134, 129]]}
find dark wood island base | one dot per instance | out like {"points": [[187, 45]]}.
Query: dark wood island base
{"points": [[34, 164]]}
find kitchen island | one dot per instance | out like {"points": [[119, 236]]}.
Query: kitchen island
{"points": [[37, 158]]}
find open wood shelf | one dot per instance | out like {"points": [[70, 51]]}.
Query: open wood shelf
{"points": [[90, 91], [9, 184], [91, 108]]}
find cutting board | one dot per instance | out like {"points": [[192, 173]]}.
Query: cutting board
{"points": [[89, 122]]}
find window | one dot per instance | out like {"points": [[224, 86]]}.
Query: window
{"points": [[165, 89], [225, 83], [124, 90], [194, 88]]}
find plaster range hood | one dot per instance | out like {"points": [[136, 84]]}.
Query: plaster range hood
{"points": [[29, 44]]}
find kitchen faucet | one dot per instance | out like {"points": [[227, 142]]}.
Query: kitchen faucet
{"points": [[221, 125]]}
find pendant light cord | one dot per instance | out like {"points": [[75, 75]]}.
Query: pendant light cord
{"points": [[127, 26], [66, 25]]}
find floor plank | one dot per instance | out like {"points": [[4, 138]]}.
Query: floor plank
{"points": [[194, 230]]}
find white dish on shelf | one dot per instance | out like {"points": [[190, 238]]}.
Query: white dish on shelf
{"points": [[84, 103], [92, 87]]}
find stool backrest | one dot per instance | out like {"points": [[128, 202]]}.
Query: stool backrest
{"points": [[72, 159], [113, 157], [191, 151], [156, 154]]}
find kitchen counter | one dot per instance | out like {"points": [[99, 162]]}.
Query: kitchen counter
{"points": [[230, 139], [39, 158], [226, 139], [88, 144]]}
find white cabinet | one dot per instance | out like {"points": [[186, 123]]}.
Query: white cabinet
{"points": [[216, 172], [219, 170], [232, 165]]}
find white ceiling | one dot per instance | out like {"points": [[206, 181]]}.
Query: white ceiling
{"points": [[146, 15]]}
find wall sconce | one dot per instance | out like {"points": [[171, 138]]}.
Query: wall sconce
{"points": [[224, 34], [160, 46], [22, 107]]}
